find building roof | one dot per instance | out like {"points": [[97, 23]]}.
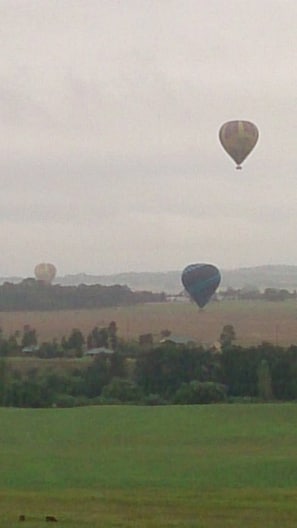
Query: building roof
{"points": [[30, 348], [177, 340], [98, 351]]}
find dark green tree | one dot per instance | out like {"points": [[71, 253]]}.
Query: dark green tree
{"points": [[239, 370], [146, 340], [29, 336], [112, 335], [227, 335], [3, 380], [122, 390], [96, 376], [98, 338], [265, 391], [75, 341], [162, 369], [197, 392]]}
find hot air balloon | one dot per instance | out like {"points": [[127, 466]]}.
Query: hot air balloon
{"points": [[238, 138], [45, 272], [201, 281]]}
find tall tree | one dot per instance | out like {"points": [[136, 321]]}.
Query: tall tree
{"points": [[228, 335], [264, 381]]}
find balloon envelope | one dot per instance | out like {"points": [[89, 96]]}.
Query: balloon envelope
{"points": [[238, 138], [45, 272], [201, 281]]}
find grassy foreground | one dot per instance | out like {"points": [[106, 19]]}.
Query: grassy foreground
{"points": [[192, 466]]}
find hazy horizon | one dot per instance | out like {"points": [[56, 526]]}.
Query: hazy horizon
{"points": [[259, 267], [110, 113]]}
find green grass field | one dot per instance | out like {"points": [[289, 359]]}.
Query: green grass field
{"points": [[178, 466]]}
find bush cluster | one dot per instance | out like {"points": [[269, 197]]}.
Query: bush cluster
{"points": [[134, 373]]}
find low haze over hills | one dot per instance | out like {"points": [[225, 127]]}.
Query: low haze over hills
{"points": [[278, 276]]}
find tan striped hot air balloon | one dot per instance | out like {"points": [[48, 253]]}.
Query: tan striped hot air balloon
{"points": [[238, 138], [45, 272]]}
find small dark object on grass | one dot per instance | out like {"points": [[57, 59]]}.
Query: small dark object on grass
{"points": [[51, 518], [22, 517]]}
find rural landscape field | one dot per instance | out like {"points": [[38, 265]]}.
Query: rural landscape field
{"points": [[148, 272], [253, 321], [211, 466], [124, 466]]}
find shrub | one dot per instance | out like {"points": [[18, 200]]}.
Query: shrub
{"points": [[200, 392], [65, 400], [154, 399], [122, 390]]}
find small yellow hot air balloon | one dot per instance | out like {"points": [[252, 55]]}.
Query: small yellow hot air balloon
{"points": [[45, 272], [238, 138]]}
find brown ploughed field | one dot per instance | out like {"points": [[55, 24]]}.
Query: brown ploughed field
{"points": [[254, 321]]}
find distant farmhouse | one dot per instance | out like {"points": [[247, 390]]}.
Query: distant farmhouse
{"points": [[30, 349], [100, 351], [178, 340], [214, 347]]}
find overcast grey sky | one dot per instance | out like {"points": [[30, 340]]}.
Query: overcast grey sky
{"points": [[109, 151]]}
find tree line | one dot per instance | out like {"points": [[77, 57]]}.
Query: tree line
{"points": [[31, 294], [142, 373], [252, 293]]}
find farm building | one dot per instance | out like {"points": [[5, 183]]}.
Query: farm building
{"points": [[178, 340], [93, 352], [30, 349]]}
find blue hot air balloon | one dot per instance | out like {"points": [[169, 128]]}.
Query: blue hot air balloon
{"points": [[201, 281]]}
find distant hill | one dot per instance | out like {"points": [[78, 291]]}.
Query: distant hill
{"points": [[261, 277], [168, 282]]}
